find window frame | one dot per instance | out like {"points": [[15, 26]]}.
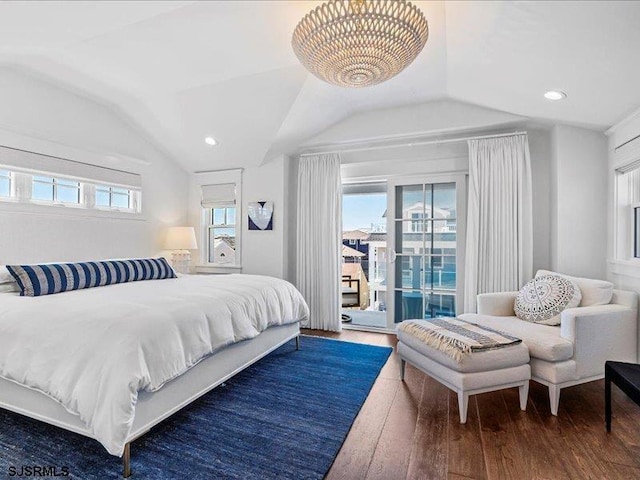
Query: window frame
{"points": [[634, 231], [217, 177], [132, 194], [55, 182], [22, 193], [211, 226], [9, 177], [624, 219]]}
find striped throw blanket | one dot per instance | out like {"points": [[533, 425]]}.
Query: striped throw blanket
{"points": [[456, 338]]}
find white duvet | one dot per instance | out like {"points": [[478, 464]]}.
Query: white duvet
{"points": [[93, 350]]}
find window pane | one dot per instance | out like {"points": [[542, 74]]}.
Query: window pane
{"points": [[68, 194], [42, 191], [122, 191], [231, 216], [408, 271], [411, 199], [68, 183], [222, 245], [119, 200], [102, 198], [408, 304], [37, 178], [5, 187], [218, 216], [409, 237], [444, 200], [439, 305]]}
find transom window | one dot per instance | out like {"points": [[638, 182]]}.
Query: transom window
{"points": [[5, 183], [222, 235], [48, 189], [113, 197], [52, 189]]}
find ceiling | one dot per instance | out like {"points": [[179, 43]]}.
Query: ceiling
{"points": [[182, 71]]}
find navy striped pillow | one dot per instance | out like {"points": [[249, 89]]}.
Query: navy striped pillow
{"points": [[36, 280]]}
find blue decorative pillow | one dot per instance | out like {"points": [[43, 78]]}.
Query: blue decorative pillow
{"points": [[36, 280]]}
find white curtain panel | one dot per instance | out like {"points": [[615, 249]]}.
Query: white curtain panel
{"points": [[499, 252], [319, 239]]}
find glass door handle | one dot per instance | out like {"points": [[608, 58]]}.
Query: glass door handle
{"points": [[392, 256]]}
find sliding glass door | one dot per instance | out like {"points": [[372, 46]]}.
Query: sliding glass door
{"points": [[425, 221]]}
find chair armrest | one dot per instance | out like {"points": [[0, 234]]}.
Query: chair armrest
{"points": [[498, 304], [600, 333]]}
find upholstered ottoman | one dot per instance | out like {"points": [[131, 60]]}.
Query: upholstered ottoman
{"points": [[466, 358]]}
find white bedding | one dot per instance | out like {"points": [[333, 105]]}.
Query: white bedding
{"points": [[93, 350]]}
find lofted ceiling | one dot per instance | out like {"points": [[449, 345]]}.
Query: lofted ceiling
{"points": [[182, 71]]}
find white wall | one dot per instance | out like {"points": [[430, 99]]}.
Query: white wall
{"points": [[45, 118], [439, 116], [541, 159], [262, 252], [266, 252], [579, 202]]}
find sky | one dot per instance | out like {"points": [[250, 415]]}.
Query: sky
{"points": [[360, 211]]}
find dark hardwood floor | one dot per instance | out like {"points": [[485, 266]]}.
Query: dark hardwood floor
{"points": [[411, 430]]}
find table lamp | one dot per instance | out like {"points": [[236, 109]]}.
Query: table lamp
{"points": [[181, 240]]}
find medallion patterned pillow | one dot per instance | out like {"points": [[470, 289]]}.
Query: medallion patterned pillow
{"points": [[543, 299]]}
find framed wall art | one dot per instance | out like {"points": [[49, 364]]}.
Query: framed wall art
{"points": [[260, 215]]}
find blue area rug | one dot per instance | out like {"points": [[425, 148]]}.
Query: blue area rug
{"points": [[283, 418]]}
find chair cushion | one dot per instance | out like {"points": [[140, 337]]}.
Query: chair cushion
{"points": [[484, 361], [544, 341], [543, 299], [594, 292]]}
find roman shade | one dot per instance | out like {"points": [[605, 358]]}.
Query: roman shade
{"points": [[30, 162], [218, 195]]}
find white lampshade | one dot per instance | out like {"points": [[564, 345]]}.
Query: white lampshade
{"points": [[181, 238]]}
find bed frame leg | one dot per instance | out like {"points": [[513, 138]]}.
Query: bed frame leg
{"points": [[126, 461], [298, 342]]}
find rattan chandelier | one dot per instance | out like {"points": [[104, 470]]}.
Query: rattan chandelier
{"points": [[357, 43]]}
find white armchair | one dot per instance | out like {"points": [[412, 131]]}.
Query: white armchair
{"points": [[575, 351]]}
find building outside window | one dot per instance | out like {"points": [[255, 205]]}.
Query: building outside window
{"points": [[417, 222], [222, 235]]}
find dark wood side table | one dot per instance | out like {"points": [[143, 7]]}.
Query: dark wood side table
{"points": [[627, 377]]}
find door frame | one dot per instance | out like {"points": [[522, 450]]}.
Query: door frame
{"points": [[461, 181]]}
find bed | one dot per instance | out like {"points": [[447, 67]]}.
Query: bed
{"points": [[113, 361]]}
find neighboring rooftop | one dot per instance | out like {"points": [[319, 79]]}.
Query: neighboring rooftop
{"points": [[354, 235]]}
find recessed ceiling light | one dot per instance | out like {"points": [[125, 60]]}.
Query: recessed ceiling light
{"points": [[555, 95], [210, 141]]}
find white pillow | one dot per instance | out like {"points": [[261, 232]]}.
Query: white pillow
{"points": [[5, 276], [9, 287], [543, 299], [594, 292]]}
